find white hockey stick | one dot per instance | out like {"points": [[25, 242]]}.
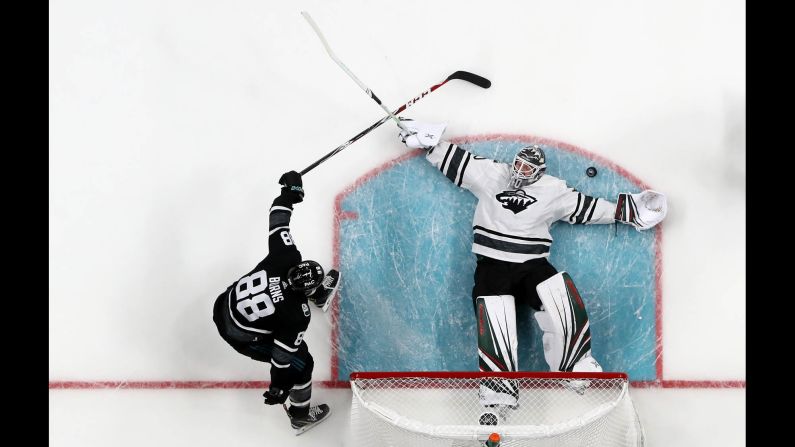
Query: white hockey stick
{"points": [[353, 76]]}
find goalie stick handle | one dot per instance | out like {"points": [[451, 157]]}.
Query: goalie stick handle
{"points": [[462, 75], [350, 73]]}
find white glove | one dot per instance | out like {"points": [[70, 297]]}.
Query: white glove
{"points": [[423, 135], [643, 210]]}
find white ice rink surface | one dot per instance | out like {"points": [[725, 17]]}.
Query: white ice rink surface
{"points": [[171, 121]]}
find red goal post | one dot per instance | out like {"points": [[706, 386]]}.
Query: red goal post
{"points": [[443, 409]]}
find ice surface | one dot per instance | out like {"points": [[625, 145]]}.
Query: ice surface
{"points": [[408, 271]]}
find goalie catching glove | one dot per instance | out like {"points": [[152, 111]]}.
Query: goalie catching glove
{"points": [[421, 135], [643, 210]]}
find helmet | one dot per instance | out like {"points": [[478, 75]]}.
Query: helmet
{"points": [[528, 166], [306, 276]]}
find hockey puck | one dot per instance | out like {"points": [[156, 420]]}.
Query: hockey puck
{"points": [[590, 172]]}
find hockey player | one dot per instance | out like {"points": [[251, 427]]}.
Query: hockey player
{"points": [[517, 204], [265, 314]]}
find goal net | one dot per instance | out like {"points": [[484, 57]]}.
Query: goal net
{"points": [[444, 409]]}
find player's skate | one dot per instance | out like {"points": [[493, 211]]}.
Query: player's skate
{"points": [[496, 414], [327, 290], [586, 364], [489, 417], [498, 396], [316, 415]]}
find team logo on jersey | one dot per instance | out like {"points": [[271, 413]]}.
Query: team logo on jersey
{"points": [[515, 200], [305, 309]]}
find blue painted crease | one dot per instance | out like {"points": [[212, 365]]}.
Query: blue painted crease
{"points": [[406, 290]]}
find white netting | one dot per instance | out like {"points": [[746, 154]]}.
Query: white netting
{"points": [[445, 411]]}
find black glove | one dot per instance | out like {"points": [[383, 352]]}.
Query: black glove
{"points": [[275, 396], [292, 186]]}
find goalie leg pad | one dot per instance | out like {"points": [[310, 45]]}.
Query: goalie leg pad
{"points": [[497, 342], [497, 346], [586, 364], [564, 321]]}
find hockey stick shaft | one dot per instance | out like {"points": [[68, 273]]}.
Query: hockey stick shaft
{"points": [[346, 70], [462, 75]]}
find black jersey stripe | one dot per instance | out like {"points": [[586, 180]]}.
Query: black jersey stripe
{"points": [[510, 247], [586, 203], [302, 386], [633, 208], [455, 162], [529, 239], [463, 168], [284, 346], [273, 230], [446, 154], [593, 208], [279, 218], [576, 208]]}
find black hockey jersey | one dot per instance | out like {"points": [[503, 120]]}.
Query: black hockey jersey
{"points": [[260, 304]]}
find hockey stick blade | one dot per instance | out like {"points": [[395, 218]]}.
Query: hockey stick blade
{"points": [[480, 81]]}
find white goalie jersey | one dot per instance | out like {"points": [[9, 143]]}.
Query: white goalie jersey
{"points": [[513, 224]]}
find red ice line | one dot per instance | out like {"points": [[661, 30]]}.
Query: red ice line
{"points": [[214, 385]]}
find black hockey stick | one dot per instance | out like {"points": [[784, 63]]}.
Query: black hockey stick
{"points": [[472, 78]]}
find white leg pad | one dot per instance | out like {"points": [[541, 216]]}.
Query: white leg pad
{"points": [[564, 321], [587, 364], [497, 341], [497, 346]]}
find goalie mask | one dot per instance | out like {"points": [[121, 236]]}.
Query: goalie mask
{"points": [[528, 166], [306, 276]]}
